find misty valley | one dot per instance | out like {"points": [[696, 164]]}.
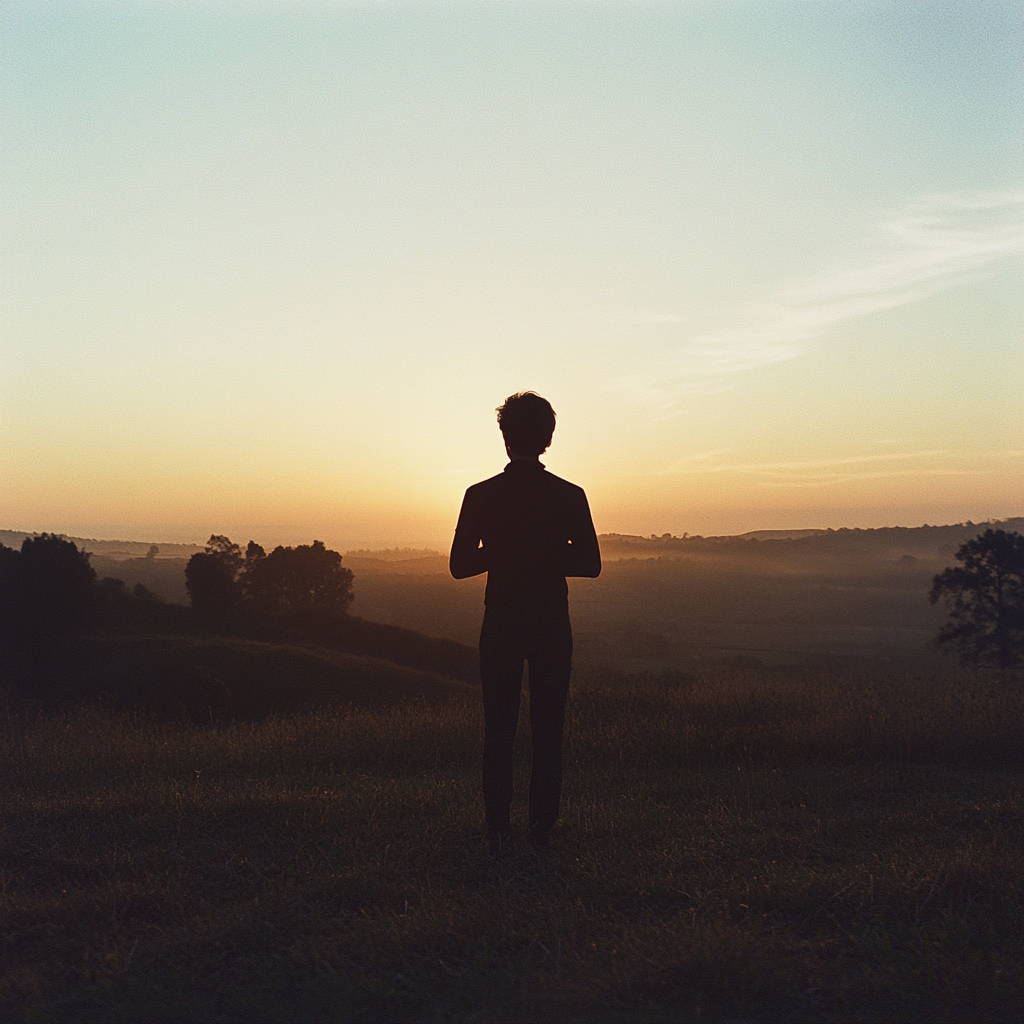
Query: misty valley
{"points": [[844, 597]]}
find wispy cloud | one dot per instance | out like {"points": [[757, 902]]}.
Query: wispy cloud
{"points": [[936, 243]]}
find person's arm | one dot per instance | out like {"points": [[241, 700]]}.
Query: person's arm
{"points": [[583, 553], [467, 557]]}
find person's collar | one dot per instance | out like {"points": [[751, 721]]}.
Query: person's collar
{"points": [[524, 465]]}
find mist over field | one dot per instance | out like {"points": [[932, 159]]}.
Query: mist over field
{"points": [[845, 597], [805, 596]]}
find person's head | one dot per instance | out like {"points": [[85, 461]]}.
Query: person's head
{"points": [[527, 422]]}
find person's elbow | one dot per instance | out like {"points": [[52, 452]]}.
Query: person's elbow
{"points": [[463, 564], [458, 568], [588, 565]]}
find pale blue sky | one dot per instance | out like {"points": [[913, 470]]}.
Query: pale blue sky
{"points": [[269, 268]]}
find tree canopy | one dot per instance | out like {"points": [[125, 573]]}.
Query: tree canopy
{"points": [[211, 578], [47, 591], [308, 577], [986, 598]]}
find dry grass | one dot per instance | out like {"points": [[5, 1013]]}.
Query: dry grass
{"points": [[792, 717], [736, 847]]}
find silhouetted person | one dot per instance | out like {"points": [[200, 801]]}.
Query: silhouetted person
{"points": [[527, 529]]}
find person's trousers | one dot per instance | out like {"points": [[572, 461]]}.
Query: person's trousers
{"points": [[542, 638]]}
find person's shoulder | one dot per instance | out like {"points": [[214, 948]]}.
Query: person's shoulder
{"points": [[484, 486], [566, 486]]}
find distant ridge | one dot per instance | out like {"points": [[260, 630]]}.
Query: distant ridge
{"points": [[612, 544], [779, 534], [848, 540], [394, 554], [109, 548]]}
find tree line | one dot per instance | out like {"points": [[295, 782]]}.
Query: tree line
{"points": [[68, 636], [222, 581], [50, 594]]}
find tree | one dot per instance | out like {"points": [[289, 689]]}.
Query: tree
{"points": [[986, 599], [48, 591], [303, 578], [10, 563], [254, 555], [211, 578]]}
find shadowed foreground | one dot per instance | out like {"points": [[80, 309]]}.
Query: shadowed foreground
{"points": [[738, 847]]}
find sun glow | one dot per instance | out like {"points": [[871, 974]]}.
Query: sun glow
{"points": [[269, 272]]}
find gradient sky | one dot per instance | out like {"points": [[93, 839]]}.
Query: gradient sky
{"points": [[267, 269]]}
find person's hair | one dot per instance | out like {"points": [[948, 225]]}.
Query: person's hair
{"points": [[527, 422]]}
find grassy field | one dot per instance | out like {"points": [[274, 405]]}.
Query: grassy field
{"points": [[735, 847]]}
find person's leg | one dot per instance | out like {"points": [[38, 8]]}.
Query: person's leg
{"points": [[550, 657], [501, 678]]}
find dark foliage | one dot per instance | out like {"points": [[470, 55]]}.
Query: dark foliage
{"points": [[10, 563], [285, 640], [986, 598], [48, 593], [302, 578], [211, 578], [224, 585], [50, 605], [138, 609]]}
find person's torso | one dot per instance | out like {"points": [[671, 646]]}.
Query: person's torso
{"points": [[526, 518]]}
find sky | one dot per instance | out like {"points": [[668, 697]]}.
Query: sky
{"points": [[267, 269]]}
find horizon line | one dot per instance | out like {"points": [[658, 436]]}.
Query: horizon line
{"points": [[651, 537]]}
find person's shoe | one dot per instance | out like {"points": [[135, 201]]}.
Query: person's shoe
{"points": [[539, 839]]}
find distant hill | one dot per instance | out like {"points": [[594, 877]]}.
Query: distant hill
{"points": [[162, 571], [780, 534], [134, 559], [113, 549], [930, 542], [394, 554], [420, 565], [229, 677]]}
